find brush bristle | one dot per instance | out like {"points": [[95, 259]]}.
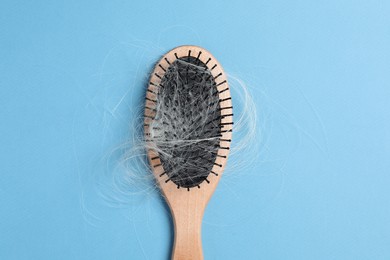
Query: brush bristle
{"points": [[186, 128]]}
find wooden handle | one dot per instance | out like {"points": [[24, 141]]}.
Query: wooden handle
{"points": [[188, 241]]}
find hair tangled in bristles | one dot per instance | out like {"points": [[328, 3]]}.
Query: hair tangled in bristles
{"points": [[186, 128]]}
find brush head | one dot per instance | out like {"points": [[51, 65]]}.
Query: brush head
{"points": [[185, 119]]}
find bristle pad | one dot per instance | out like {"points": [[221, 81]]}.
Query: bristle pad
{"points": [[186, 129]]}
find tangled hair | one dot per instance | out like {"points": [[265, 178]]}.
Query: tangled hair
{"points": [[186, 128], [185, 132]]}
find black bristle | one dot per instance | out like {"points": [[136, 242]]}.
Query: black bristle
{"points": [[189, 108]]}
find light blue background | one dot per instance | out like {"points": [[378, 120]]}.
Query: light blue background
{"points": [[72, 71]]}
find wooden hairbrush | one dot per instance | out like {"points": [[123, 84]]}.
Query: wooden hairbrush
{"points": [[188, 128]]}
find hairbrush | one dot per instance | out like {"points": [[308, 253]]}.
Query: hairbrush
{"points": [[188, 124]]}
